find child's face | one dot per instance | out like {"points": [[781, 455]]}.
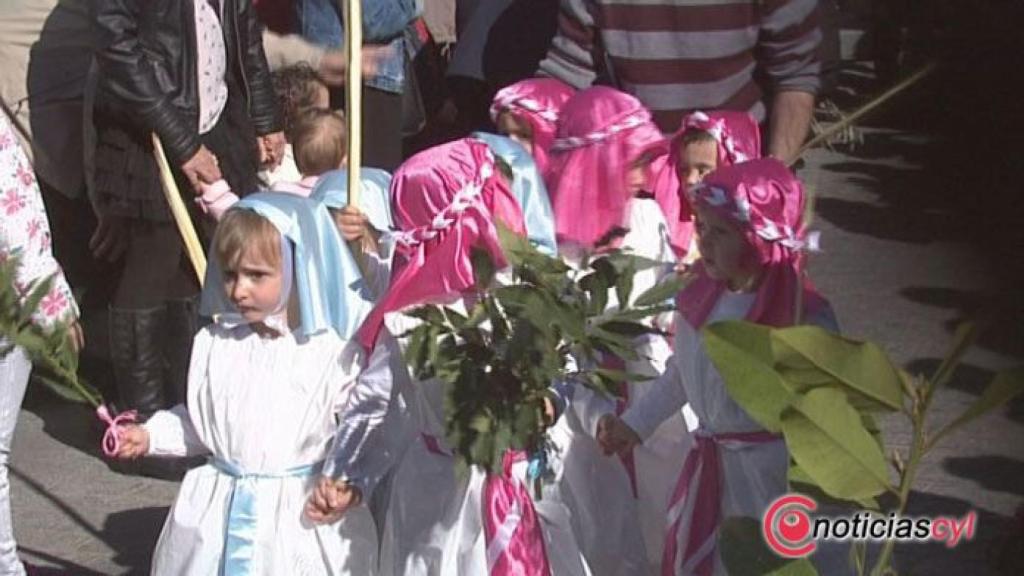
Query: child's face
{"points": [[696, 160], [724, 249], [254, 286], [516, 129], [638, 174]]}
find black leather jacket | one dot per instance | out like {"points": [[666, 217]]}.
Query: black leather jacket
{"points": [[146, 50]]}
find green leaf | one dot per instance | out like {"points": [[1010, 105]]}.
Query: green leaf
{"points": [[661, 292], [622, 259], [624, 285], [36, 292], [608, 342], [428, 314], [483, 268], [1004, 387], [745, 552], [481, 451], [627, 329], [639, 313], [596, 286], [966, 334], [827, 438], [801, 482], [742, 353], [809, 353], [604, 268], [453, 317]]}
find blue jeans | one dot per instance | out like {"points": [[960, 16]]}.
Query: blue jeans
{"points": [[384, 22]]}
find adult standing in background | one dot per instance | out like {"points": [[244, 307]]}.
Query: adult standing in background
{"points": [[385, 22], [194, 73], [678, 56]]}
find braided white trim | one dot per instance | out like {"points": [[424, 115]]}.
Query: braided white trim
{"points": [[526, 103], [767, 229], [467, 196], [627, 123], [701, 121]]}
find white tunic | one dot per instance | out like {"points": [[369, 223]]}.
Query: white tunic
{"points": [[621, 533], [434, 524], [266, 405], [753, 474]]}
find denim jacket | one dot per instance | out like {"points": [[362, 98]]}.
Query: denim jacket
{"points": [[384, 22]]}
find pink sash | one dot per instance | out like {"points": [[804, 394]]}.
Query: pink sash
{"points": [[512, 531], [702, 466]]}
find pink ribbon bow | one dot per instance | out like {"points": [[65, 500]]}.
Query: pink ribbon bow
{"points": [[112, 435]]}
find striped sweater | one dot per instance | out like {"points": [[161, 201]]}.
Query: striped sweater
{"points": [[677, 56]]}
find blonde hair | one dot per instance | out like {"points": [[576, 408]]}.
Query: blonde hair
{"points": [[241, 231], [318, 141]]}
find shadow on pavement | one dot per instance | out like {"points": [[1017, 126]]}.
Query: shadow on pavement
{"points": [[1001, 314], [991, 472], [982, 555], [131, 534]]}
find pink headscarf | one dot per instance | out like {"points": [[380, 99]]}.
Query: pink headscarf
{"points": [[538, 102], [766, 201], [445, 201], [739, 140], [601, 132]]}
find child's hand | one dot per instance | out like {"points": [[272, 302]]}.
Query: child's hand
{"points": [[615, 436], [352, 223], [271, 147], [330, 500], [134, 442]]}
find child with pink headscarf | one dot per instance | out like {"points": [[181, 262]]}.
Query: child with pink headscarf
{"points": [[751, 237], [446, 202], [704, 142], [600, 191], [527, 112]]}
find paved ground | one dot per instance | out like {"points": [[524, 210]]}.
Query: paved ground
{"points": [[913, 240]]}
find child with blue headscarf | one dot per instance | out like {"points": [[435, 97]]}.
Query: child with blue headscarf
{"points": [[367, 227], [528, 187], [273, 380]]}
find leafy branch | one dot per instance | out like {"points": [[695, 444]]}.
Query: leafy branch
{"points": [[823, 393], [549, 322], [48, 349]]}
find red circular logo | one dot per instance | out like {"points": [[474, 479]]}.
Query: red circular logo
{"points": [[787, 526]]}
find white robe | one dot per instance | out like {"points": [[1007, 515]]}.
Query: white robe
{"points": [[753, 474], [619, 533], [266, 405], [434, 524]]}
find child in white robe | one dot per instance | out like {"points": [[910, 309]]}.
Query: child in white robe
{"points": [[446, 201], [600, 166], [750, 235], [269, 383]]}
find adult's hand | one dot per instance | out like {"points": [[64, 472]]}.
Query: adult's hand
{"points": [[109, 240], [201, 168], [333, 68]]}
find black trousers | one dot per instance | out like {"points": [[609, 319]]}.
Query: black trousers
{"points": [[382, 126]]}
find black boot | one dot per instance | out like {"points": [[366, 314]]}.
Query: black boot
{"points": [[182, 325], [137, 356]]}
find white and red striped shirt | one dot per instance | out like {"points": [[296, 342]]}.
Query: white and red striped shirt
{"points": [[677, 56]]}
